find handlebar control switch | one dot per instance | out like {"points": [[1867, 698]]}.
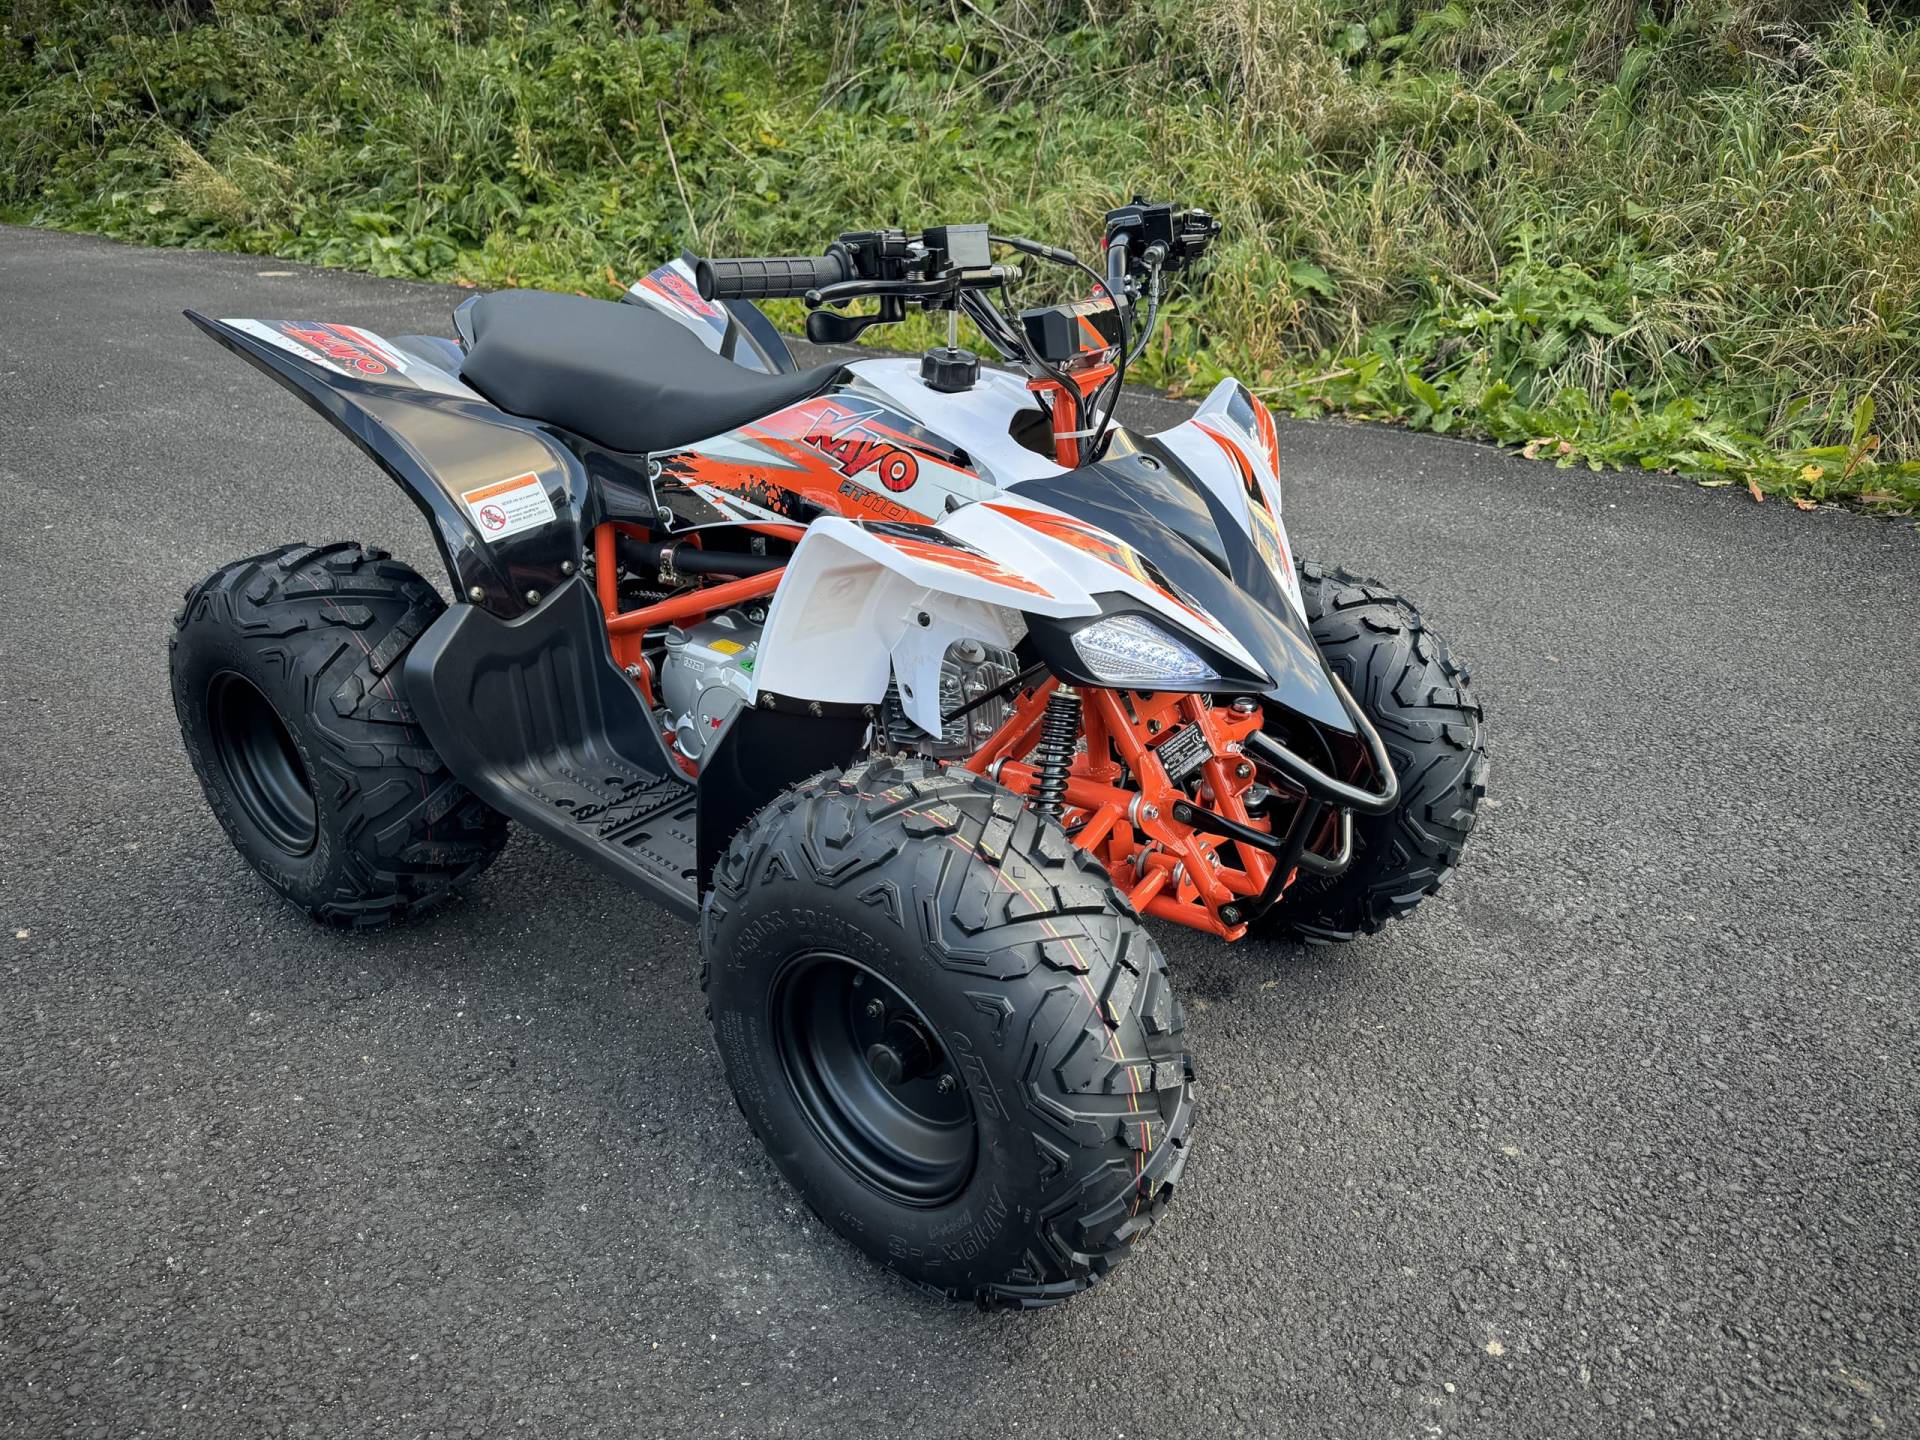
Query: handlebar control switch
{"points": [[957, 247], [1178, 237]]}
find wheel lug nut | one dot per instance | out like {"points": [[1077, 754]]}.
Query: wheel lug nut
{"points": [[875, 1009]]}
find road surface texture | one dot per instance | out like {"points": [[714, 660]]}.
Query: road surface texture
{"points": [[1617, 1136]]}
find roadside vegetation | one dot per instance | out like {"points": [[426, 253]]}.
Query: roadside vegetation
{"points": [[1679, 236]]}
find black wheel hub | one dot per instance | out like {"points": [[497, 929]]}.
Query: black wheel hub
{"points": [[262, 764], [872, 1078]]}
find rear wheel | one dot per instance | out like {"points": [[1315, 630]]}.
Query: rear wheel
{"points": [[286, 679], [953, 1042], [1418, 697]]}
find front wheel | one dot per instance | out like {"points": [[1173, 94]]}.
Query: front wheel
{"points": [[1418, 697], [953, 1042]]}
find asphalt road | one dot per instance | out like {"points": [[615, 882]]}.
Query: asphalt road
{"points": [[1616, 1136]]}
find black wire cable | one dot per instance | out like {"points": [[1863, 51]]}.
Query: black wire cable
{"points": [[1153, 315], [1067, 257], [1120, 370]]}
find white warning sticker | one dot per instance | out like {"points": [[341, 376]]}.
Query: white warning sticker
{"points": [[507, 507]]}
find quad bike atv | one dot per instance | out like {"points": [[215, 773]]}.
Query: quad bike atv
{"points": [[917, 684]]}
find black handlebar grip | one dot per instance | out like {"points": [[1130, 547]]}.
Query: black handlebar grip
{"points": [[769, 277]]}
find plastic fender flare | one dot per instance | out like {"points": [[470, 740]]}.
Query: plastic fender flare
{"points": [[441, 443], [860, 602]]}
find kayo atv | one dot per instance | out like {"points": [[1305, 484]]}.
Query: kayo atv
{"points": [[917, 683]]}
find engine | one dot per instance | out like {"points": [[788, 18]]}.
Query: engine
{"points": [[707, 674], [969, 670]]}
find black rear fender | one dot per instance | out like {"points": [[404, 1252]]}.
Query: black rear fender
{"points": [[507, 501]]}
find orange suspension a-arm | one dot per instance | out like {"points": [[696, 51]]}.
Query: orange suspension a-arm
{"points": [[1019, 733], [1120, 801]]}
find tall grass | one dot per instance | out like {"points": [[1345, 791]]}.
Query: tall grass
{"points": [[1681, 235]]}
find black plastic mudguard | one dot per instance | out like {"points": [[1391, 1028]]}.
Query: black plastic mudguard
{"points": [[445, 446], [532, 716], [762, 753]]}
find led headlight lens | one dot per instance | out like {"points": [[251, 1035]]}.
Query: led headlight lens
{"points": [[1132, 650]]}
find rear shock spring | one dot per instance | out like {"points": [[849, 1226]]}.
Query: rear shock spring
{"points": [[1059, 737]]}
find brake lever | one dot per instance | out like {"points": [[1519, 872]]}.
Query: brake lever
{"points": [[939, 288], [828, 327], [845, 290]]}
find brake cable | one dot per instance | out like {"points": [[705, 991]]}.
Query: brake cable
{"points": [[1066, 257]]}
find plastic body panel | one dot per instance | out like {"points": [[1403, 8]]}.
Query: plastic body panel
{"points": [[440, 442], [981, 419], [760, 754], [1151, 503], [736, 330], [860, 603], [847, 452], [534, 718], [568, 748]]}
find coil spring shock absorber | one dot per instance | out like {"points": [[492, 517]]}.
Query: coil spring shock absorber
{"points": [[1059, 736]]}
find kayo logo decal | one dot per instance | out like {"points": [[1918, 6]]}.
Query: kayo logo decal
{"points": [[336, 348], [672, 286], [843, 434]]}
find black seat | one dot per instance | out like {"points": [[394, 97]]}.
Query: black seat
{"points": [[624, 376]]}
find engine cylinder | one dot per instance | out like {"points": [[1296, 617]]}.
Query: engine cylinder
{"points": [[970, 669]]}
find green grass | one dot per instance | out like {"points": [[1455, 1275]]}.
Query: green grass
{"points": [[1678, 236]]}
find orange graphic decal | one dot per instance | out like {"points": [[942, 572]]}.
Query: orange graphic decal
{"points": [[335, 346], [857, 447], [1269, 437], [971, 561], [1101, 546], [673, 288], [1238, 457]]}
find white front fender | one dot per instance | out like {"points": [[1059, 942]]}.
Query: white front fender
{"points": [[860, 603]]}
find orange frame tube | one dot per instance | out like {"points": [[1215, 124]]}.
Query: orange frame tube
{"points": [[625, 629], [1110, 817], [1167, 869], [1067, 420], [703, 601]]}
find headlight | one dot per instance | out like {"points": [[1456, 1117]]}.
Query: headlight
{"points": [[1132, 650]]}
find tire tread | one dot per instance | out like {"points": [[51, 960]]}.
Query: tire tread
{"points": [[1044, 942], [338, 620], [1421, 700]]}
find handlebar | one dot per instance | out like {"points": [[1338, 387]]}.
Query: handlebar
{"points": [[944, 267], [933, 265], [771, 277]]}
